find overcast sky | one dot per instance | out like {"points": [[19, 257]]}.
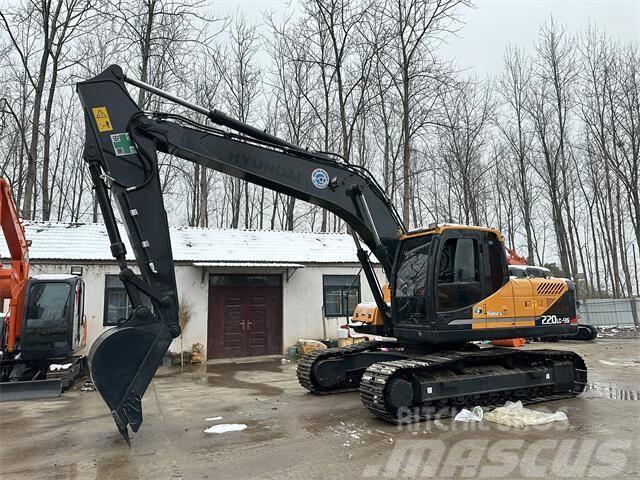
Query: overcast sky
{"points": [[493, 24]]}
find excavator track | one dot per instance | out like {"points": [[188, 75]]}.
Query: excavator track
{"points": [[443, 367], [306, 363]]}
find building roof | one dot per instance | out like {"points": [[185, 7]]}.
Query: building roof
{"points": [[73, 241]]}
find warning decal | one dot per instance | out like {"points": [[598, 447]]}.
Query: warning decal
{"points": [[122, 144], [102, 119]]}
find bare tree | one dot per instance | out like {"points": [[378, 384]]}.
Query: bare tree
{"points": [[464, 133], [159, 35], [69, 26], [46, 14], [293, 80], [610, 112], [551, 103], [514, 87], [413, 30]]}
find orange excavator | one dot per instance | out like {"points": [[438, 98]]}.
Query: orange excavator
{"points": [[44, 327], [14, 279]]}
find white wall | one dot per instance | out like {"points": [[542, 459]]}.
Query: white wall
{"points": [[189, 284], [302, 302]]}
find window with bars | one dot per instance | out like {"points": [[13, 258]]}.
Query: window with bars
{"points": [[117, 307], [341, 294]]}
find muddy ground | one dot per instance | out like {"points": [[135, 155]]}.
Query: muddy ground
{"points": [[294, 435]]}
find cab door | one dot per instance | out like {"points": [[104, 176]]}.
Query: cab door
{"points": [[459, 277], [497, 307], [410, 300]]}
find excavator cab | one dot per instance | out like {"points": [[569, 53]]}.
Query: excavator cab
{"points": [[451, 284], [54, 325], [441, 274]]}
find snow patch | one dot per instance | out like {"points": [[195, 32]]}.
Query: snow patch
{"points": [[54, 367], [53, 240], [225, 427], [213, 419], [615, 362]]}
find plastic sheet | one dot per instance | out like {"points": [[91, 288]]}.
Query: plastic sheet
{"points": [[514, 414], [474, 415]]}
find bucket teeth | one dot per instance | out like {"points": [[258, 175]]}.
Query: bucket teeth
{"points": [[122, 426], [133, 411], [125, 434], [129, 415], [123, 361]]}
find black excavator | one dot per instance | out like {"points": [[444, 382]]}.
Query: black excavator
{"points": [[448, 285]]}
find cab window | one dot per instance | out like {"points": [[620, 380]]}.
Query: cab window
{"points": [[411, 280], [48, 304], [498, 269], [458, 274]]}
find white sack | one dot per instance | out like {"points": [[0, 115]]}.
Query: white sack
{"points": [[515, 415]]}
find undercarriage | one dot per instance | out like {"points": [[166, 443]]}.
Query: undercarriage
{"points": [[402, 384], [25, 380]]}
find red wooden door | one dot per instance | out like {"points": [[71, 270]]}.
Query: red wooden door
{"points": [[244, 320]]}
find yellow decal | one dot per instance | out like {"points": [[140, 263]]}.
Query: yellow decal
{"points": [[102, 119]]}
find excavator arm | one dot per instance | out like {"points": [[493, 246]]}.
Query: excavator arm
{"points": [[13, 279], [121, 151]]}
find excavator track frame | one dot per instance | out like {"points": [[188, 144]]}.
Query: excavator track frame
{"points": [[378, 379], [307, 364]]}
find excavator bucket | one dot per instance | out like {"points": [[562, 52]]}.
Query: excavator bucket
{"points": [[123, 361]]}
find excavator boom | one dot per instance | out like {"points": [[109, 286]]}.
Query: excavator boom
{"points": [[121, 152], [13, 279]]}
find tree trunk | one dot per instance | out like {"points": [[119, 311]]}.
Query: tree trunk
{"points": [[30, 179], [406, 152], [145, 49], [46, 200]]}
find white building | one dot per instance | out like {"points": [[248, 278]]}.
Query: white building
{"points": [[249, 292]]}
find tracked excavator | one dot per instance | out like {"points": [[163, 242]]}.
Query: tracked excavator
{"points": [[448, 284], [44, 324]]}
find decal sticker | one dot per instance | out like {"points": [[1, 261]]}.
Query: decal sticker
{"points": [[103, 121], [554, 320], [320, 178], [122, 144]]}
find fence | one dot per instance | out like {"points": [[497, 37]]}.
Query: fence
{"points": [[607, 311]]}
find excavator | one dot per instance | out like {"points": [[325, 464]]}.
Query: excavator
{"points": [[448, 285], [44, 329]]}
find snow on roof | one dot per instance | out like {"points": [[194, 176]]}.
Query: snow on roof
{"points": [[249, 264], [73, 241], [53, 276]]}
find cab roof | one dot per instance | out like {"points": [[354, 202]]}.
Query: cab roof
{"points": [[437, 229]]}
